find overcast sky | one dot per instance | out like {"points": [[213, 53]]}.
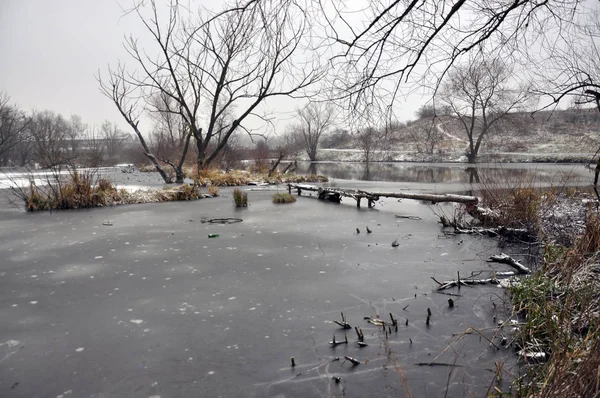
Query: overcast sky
{"points": [[50, 52]]}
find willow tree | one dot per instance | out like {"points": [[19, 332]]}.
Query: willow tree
{"points": [[216, 68]]}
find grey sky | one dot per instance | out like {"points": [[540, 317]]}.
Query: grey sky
{"points": [[50, 52]]}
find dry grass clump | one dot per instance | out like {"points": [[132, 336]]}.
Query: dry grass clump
{"points": [[180, 193], [78, 190], [219, 178], [213, 191], [240, 198], [75, 191], [516, 207], [295, 179], [560, 306], [283, 198], [147, 168], [259, 168]]}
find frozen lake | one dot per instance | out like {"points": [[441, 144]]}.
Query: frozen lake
{"points": [[151, 307]]}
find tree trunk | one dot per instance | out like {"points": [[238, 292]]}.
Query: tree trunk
{"points": [[165, 176], [276, 164]]}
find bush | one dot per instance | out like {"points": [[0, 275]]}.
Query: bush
{"points": [[283, 198], [240, 198]]}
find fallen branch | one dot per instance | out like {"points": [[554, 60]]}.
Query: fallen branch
{"points": [[379, 322], [408, 217], [343, 322], [439, 364], [484, 215], [518, 233], [468, 282], [506, 259], [333, 342], [353, 360], [228, 220]]}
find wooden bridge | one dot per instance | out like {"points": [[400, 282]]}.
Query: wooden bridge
{"points": [[336, 194]]}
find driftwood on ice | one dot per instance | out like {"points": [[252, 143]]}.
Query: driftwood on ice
{"points": [[499, 278], [506, 259]]}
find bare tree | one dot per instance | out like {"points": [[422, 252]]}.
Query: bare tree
{"points": [[568, 67], [400, 42], [315, 119], [113, 138], [232, 153], [171, 134], [76, 131], [92, 148], [368, 140], [228, 62], [480, 95], [13, 132], [169, 131], [426, 135], [261, 153], [292, 140], [51, 135]]}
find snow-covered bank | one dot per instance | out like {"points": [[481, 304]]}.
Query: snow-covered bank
{"points": [[357, 155]]}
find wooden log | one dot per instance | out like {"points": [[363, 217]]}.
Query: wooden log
{"points": [[506, 259], [435, 198], [372, 197]]}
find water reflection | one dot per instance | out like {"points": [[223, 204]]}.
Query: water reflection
{"points": [[450, 172]]}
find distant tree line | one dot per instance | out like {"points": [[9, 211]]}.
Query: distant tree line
{"points": [[46, 139]]}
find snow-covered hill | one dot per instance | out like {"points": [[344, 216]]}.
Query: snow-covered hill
{"points": [[567, 135]]}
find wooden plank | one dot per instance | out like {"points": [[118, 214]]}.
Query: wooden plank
{"points": [[372, 197]]}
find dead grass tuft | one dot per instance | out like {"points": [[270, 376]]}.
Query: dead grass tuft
{"points": [[560, 305], [283, 198], [240, 198], [233, 178]]}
